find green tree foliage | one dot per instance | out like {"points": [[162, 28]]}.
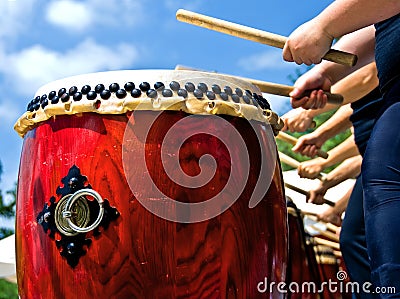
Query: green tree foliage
{"points": [[7, 210], [8, 290]]}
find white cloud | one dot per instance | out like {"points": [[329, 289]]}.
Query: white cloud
{"points": [[271, 59], [79, 16], [36, 65], [8, 112], [15, 16], [69, 14]]}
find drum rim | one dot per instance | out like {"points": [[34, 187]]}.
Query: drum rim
{"points": [[240, 98]]}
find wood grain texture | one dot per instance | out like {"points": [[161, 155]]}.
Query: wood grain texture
{"points": [[141, 255], [303, 266]]}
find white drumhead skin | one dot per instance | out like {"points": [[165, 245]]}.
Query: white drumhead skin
{"points": [[233, 101]]}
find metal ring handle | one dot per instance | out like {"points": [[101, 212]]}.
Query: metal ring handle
{"points": [[67, 214]]}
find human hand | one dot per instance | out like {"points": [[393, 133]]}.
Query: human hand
{"points": [[297, 120], [315, 81], [330, 215], [311, 169], [316, 196], [307, 44], [308, 145]]}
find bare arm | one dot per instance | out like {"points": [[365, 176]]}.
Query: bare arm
{"points": [[353, 87], [344, 16], [334, 214], [358, 84], [349, 168], [310, 169], [309, 42], [309, 144]]}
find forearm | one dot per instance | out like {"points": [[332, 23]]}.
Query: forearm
{"points": [[349, 168], [358, 84], [344, 16], [339, 122], [343, 151], [360, 43], [341, 204], [353, 87]]}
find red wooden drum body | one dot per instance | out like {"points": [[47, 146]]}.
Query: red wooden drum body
{"points": [[132, 252], [302, 264]]}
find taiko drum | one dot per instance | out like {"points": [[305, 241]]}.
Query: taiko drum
{"points": [[97, 155]]}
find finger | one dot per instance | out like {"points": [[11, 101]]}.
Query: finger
{"points": [[319, 200], [301, 127], [299, 146], [308, 62], [309, 104], [285, 124], [312, 175], [286, 53], [296, 93], [313, 151], [304, 174], [297, 59], [321, 99], [316, 60], [300, 173], [307, 151], [324, 101], [296, 103]]}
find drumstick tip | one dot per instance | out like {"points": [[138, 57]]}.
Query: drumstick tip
{"points": [[181, 12]]}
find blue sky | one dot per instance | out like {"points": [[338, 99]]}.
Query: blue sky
{"points": [[45, 40]]}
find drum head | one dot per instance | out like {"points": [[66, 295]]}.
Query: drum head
{"points": [[118, 92]]}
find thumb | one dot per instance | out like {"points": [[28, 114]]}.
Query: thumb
{"points": [[296, 93]]}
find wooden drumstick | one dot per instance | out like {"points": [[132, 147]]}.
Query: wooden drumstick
{"points": [[328, 243], [256, 35], [327, 234], [285, 90], [275, 88], [314, 216], [307, 194], [337, 253], [292, 140], [294, 163]]}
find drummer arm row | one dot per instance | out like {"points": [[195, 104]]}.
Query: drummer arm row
{"points": [[352, 88], [344, 150], [349, 168], [337, 123]]}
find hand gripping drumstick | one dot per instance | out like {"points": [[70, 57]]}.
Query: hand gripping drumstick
{"points": [[294, 163], [307, 194], [285, 90], [256, 35], [292, 140], [275, 88]]}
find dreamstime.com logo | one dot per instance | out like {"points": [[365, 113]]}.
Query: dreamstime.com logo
{"points": [[156, 144], [340, 285]]}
